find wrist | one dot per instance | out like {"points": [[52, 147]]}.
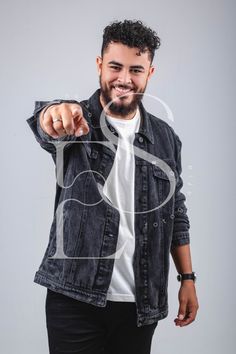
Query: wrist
{"points": [[187, 277]]}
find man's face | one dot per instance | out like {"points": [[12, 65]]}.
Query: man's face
{"points": [[123, 71]]}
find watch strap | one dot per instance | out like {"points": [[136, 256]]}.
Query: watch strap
{"points": [[187, 276]]}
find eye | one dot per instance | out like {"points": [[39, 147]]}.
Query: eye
{"points": [[136, 71], [115, 67]]}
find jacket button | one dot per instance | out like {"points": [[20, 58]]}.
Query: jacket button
{"points": [[145, 228], [140, 139], [155, 224], [89, 114], [144, 168]]}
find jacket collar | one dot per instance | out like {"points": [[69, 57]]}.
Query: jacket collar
{"points": [[94, 107]]}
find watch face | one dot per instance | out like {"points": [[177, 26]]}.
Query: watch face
{"points": [[179, 277]]}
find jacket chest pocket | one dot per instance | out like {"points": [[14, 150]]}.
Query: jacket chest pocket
{"points": [[103, 164], [164, 182]]}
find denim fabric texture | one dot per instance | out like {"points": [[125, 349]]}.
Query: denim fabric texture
{"points": [[91, 224]]}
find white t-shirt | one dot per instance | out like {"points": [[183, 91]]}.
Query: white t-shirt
{"points": [[119, 189]]}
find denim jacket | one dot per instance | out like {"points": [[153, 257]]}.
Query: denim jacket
{"points": [[89, 223]]}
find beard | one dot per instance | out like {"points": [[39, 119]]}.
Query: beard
{"points": [[122, 109]]}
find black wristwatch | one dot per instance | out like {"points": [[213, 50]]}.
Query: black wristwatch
{"points": [[187, 276]]}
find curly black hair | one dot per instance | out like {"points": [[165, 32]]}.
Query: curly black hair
{"points": [[133, 34]]}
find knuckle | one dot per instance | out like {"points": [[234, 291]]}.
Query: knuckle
{"points": [[46, 115], [66, 107], [77, 106], [66, 125], [47, 124], [183, 301], [63, 105], [53, 109]]}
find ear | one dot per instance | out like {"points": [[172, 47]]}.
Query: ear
{"points": [[151, 71], [99, 64]]}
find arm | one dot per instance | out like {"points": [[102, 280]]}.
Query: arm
{"points": [[188, 302], [182, 258], [180, 250]]}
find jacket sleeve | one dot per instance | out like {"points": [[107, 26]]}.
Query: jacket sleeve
{"points": [[181, 220], [46, 141]]}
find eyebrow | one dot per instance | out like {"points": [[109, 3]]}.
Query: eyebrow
{"points": [[113, 62]]}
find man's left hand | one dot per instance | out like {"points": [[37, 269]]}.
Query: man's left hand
{"points": [[188, 304]]}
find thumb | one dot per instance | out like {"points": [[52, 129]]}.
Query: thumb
{"points": [[82, 127], [182, 311]]}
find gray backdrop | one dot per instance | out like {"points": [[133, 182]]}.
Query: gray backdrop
{"points": [[48, 50]]}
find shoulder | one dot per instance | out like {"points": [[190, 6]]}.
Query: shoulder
{"points": [[159, 126]]}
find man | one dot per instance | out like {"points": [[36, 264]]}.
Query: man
{"points": [[107, 262]]}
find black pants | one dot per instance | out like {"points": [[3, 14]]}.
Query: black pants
{"points": [[77, 327]]}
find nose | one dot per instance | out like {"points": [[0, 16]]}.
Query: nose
{"points": [[124, 77]]}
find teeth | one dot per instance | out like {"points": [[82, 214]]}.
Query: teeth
{"points": [[122, 90]]}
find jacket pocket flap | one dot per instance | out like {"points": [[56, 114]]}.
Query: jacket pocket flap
{"points": [[163, 173]]}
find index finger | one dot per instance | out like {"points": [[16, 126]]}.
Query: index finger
{"points": [[190, 317]]}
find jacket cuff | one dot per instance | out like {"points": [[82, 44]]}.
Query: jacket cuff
{"points": [[180, 239]]}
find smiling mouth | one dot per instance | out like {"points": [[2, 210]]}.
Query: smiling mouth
{"points": [[122, 90]]}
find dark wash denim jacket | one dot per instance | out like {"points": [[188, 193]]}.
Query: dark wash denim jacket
{"points": [[92, 231]]}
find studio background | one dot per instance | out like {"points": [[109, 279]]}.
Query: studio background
{"points": [[48, 51]]}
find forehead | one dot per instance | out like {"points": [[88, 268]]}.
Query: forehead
{"points": [[125, 55]]}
